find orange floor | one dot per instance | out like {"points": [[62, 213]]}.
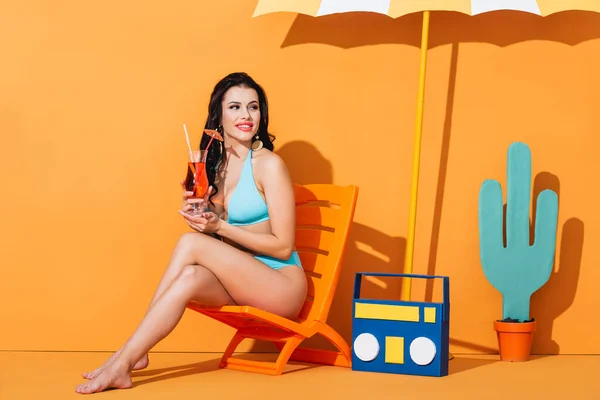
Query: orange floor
{"points": [[46, 376]]}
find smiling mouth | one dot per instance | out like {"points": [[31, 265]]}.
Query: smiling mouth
{"points": [[245, 127]]}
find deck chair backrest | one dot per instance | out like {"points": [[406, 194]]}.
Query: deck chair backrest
{"points": [[324, 214]]}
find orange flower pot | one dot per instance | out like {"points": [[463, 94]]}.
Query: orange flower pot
{"points": [[514, 340]]}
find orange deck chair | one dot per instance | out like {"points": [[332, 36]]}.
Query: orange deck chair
{"points": [[324, 213]]}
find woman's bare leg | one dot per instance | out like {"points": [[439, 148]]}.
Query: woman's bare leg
{"points": [[177, 262], [194, 283], [242, 277], [246, 279]]}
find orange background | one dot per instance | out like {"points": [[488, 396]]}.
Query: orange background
{"points": [[93, 102]]}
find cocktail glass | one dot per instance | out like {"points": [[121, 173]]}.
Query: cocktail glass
{"points": [[196, 180]]}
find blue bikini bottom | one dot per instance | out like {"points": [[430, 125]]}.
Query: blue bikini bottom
{"points": [[277, 263]]}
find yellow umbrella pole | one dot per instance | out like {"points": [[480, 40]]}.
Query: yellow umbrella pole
{"points": [[410, 240]]}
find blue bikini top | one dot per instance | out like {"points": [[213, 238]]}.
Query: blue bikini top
{"points": [[246, 205]]}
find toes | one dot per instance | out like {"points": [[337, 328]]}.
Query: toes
{"points": [[88, 375], [80, 388], [87, 388], [92, 374]]}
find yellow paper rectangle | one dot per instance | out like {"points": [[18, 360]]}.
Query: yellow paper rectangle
{"points": [[429, 314], [387, 312], [394, 350]]}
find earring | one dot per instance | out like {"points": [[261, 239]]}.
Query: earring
{"points": [[257, 144]]}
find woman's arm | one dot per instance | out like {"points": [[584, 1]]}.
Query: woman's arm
{"points": [[279, 195]]}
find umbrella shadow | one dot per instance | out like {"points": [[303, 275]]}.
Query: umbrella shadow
{"points": [[500, 28], [443, 166]]}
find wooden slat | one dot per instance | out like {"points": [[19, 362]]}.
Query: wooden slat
{"points": [[314, 239], [334, 194], [317, 216], [314, 262]]}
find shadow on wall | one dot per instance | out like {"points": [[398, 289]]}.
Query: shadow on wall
{"points": [[371, 250], [501, 28], [558, 294], [442, 171], [367, 249]]}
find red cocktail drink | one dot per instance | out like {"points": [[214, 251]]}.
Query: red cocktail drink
{"points": [[196, 180]]}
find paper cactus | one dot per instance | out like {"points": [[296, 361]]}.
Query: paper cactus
{"points": [[518, 269]]}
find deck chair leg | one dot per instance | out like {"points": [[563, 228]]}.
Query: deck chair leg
{"points": [[233, 344], [286, 352], [264, 367], [341, 358]]}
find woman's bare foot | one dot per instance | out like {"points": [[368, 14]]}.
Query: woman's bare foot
{"points": [[114, 376], [94, 373], [141, 364]]}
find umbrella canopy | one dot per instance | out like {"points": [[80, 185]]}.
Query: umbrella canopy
{"points": [[399, 8], [500, 28]]}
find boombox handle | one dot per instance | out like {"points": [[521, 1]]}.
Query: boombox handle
{"points": [[359, 275]]}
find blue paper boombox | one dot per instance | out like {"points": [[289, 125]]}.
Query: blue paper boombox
{"points": [[400, 337]]}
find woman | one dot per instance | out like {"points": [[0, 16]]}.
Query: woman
{"points": [[242, 250]]}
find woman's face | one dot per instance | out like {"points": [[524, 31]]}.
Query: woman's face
{"points": [[241, 114]]}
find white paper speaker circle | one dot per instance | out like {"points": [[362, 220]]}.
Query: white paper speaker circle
{"points": [[422, 351], [366, 347]]}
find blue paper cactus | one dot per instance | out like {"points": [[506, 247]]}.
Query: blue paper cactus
{"points": [[518, 269]]}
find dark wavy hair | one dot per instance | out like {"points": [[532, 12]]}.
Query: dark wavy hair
{"points": [[213, 121]]}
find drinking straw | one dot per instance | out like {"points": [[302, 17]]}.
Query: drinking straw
{"points": [[187, 139]]}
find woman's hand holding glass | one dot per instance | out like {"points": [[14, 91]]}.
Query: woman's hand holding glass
{"points": [[205, 222], [191, 203]]}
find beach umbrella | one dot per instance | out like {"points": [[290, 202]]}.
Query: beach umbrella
{"points": [[399, 8]]}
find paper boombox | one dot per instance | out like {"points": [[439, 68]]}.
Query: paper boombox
{"points": [[400, 337]]}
